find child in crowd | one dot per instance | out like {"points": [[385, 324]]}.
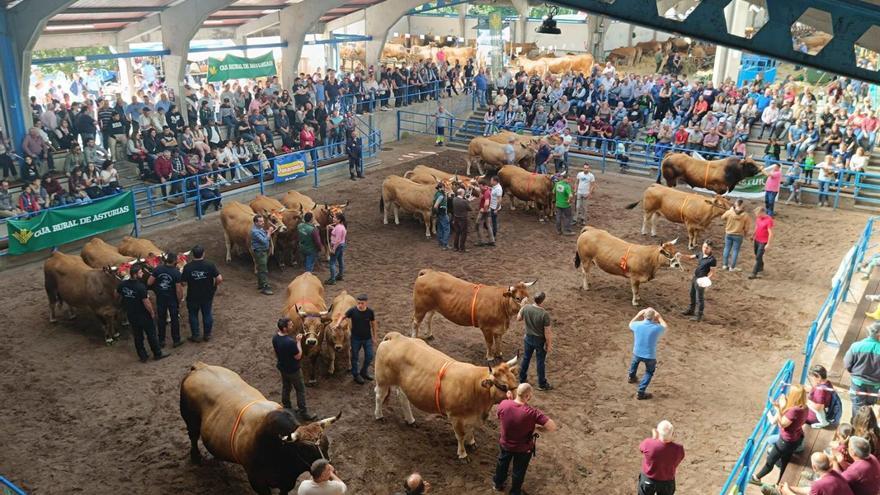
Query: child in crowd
{"points": [[772, 151], [793, 182], [809, 165]]}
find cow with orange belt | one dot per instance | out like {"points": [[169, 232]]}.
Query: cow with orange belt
{"points": [[637, 262], [530, 187], [720, 176], [306, 307], [424, 377], [696, 212], [286, 242], [238, 424], [147, 250], [486, 307]]}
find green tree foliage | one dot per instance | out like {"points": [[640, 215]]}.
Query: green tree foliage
{"points": [[485, 10], [543, 11], [72, 67]]}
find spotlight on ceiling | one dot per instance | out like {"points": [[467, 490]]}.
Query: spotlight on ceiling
{"points": [[549, 24]]}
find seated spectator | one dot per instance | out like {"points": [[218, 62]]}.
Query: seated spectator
{"points": [[838, 448], [790, 413], [865, 425], [857, 163], [209, 193], [863, 475], [28, 200], [793, 182], [324, 480], [681, 138], [819, 397], [7, 207], [415, 485], [168, 140], [64, 136], [55, 191], [35, 147], [29, 171], [116, 134], [695, 138], [828, 482], [76, 186], [92, 179], [6, 162], [75, 158], [162, 170], [137, 154], [93, 153], [109, 179]]}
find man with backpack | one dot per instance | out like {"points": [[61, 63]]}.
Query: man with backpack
{"points": [[821, 399]]}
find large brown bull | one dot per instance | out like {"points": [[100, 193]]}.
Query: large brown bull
{"points": [[286, 241], [403, 194], [696, 212], [504, 136], [649, 47], [323, 213], [485, 151], [99, 254], [528, 187], [720, 176], [337, 340], [637, 262], [145, 249], [238, 424], [435, 383], [461, 54], [305, 305], [464, 303], [68, 279], [532, 67], [424, 174], [395, 51], [238, 220], [626, 55]]}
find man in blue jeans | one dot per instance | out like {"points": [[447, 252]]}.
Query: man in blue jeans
{"points": [[538, 339], [363, 336], [647, 327], [201, 279], [441, 210]]}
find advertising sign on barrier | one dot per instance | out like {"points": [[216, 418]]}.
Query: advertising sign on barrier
{"points": [[56, 227], [290, 166], [235, 67]]}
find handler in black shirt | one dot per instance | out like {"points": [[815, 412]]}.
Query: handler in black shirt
{"points": [[133, 294], [288, 352], [165, 282], [363, 335], [201, 279], [705, 268]]}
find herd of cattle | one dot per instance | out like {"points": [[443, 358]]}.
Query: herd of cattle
{"points": [[238, 424]]}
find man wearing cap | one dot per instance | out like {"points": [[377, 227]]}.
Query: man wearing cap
{"points": [[705, 269], [647, 327], [363, 336], [165, 282], [201, 279], [862, 361], [288, 352], [141, 314], [538, 339]]}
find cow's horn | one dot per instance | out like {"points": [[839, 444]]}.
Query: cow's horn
{"points": [[512, 362], [329, 421], [529, 284], [292, 437], [301, 312], [324, 313], [673, 241]]}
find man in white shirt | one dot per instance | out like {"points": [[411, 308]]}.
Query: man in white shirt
{"points": [[324, 480], [586, 184], [495, 204]]}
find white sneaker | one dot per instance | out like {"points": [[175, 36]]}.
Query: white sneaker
{"points": [[819, 426], [873, 297], [724, 267]]}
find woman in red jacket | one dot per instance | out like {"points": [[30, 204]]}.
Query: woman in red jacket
{"points": [[307, 141]]}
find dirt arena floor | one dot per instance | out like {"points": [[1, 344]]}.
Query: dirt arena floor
{"points": [[80, 417]]}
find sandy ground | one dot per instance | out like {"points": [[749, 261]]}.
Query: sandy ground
{"points": [[84, 418]]}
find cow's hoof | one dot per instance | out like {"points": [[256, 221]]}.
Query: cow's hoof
{"points": [[471, 448], [429, 338], [108, 342], [464, 460], [53, 320], [411, 425], [116, 335], [311, 383], [195, 458], [380, 419]]}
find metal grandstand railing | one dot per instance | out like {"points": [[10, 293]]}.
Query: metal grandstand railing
{"points": [[9, 488]]}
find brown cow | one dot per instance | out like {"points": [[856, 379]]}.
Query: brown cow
{"points": [[529, 187], [696, 212], [99, 254], [486, 307], [504, 136], [636, 262], [238, 220], [679, 45], [306, 307], [68, 279], [395, 51], [148, 251], [286, 241], [323, 213], [461, 54], [337, 340], [238, 424], [626, 55], [650, 47], [532, 67], [720, 176], [424, 174], [485, 151], [435, 383], [403, 194]]}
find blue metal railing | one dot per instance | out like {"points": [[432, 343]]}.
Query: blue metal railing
{"points": [[10, 488], [757, 441]]}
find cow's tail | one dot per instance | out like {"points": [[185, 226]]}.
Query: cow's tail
{"points": [[382, 204], [633, 205], [577, 259]]}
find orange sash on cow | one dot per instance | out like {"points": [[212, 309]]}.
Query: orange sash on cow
{"points": [[681, 210], [529, 183], [706, 178], [477, 288], [437, 387], [235, 428], [624, 260]]}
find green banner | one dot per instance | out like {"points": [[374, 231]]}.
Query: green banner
{"points": [[56, 227], [233, 67]]}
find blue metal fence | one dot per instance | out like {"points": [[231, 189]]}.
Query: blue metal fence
{"points": [[160, 203], [9, 488]]}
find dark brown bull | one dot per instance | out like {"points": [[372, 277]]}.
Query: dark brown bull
{"points": [[720, 176]]}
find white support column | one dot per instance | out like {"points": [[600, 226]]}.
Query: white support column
{"points": [[629, 35], [727, 61], [297, 21], [126, 71], [462, 21]]}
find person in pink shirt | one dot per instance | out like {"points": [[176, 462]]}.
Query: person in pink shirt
{"points": [[771, 187], [337, 248], [762, 237]]}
